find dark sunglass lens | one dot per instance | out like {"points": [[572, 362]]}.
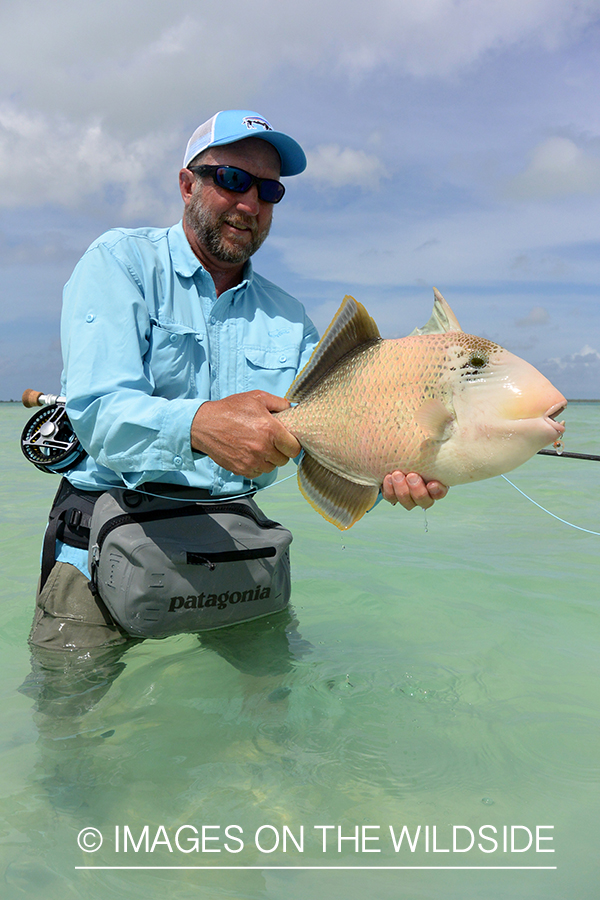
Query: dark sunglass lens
{"points": [[233, 179], [271, 191]]}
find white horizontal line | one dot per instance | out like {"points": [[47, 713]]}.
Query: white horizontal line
{"points": [[321, 868]]}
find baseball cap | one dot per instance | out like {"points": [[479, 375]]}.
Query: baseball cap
{"points": [[232, 125]]}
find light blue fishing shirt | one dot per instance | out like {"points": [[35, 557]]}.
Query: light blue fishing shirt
{"points": [[146, 341]]}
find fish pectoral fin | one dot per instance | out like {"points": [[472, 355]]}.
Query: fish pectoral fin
{"points": [[351, 327], [442, 318], [339, 500], [434, 418]]}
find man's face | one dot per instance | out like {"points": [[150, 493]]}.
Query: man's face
{"points": [[227, 226]]}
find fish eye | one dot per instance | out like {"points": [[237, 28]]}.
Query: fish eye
{"points": [[477, 360]]}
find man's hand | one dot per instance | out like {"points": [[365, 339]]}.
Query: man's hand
{"points": [[410, 490], [242, 436]]}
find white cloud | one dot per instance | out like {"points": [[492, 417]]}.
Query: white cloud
{"points": [[538, 315], [128, 79], [45, 159], [100, 98], [558, 168], [437, 38], [586, 356], [577, 375], [336, 166], [474, 245], [142, 62]]}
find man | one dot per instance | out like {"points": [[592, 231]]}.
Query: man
{"points": [[175, 355]]}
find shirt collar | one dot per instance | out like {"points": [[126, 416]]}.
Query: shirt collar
{"points": [[185, 261]]}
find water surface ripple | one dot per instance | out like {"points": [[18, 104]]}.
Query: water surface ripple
{"points": [[432, 672]]}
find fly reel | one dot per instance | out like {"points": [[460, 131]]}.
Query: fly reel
{"points": [[48, 440]]}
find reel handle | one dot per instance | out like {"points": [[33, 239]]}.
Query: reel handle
{"points": [[33, 398]]}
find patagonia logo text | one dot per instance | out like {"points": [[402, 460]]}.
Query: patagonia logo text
{"points": [[220, 601]]}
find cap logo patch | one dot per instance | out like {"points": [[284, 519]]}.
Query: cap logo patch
{"points": [[253, 122]]}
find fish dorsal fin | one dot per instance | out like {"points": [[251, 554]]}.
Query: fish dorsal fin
{"points": [[351, 327], [442, 318]]}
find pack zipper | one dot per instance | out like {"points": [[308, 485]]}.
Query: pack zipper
{"points": [[193, 509]]}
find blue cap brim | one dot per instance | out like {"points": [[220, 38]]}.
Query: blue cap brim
{"points": [[293, 158], [232, 125]]}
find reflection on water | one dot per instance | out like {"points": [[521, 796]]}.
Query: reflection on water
{"points": [[67, 686], [424, 678]]}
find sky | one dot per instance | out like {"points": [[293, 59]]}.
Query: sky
{"points": [[450, 143]]}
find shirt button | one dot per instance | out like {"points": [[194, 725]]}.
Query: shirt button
{"points": [[283, 359], [177, 461], [90, 317], [213, 321], [173, 338]]}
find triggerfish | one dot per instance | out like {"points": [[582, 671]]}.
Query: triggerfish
{"points": [[448, 405]]}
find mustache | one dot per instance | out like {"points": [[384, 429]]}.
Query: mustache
{"points": [[241, 221]]}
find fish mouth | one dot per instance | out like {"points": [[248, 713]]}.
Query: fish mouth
{"points": [[555, 411]]}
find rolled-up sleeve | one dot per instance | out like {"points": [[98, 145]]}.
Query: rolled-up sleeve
{"points": [[146, 341], [108, 382]]}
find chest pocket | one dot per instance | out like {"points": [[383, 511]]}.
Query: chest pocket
{"points": [[271, 370], [176, 360]]}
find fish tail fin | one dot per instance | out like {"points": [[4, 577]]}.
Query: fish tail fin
{"points": [[339, 500]]}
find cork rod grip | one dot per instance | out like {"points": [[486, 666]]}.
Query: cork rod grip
{"points": [[30, 398]]}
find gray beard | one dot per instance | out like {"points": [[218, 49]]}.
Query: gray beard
{"points": [[207, 229]]}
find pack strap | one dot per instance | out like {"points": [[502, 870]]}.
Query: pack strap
{"points": [[69, 521]]}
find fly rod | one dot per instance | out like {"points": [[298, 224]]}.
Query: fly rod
{"points": [[569, 455]]}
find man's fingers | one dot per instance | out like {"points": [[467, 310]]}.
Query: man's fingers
{"points": [[437, 490], [285, 444], [240, 433], [411, 491], [418, 491], [271, 401], [396, 490]]}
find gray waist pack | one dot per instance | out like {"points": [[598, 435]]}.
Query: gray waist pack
{"points": [[164, 566]]}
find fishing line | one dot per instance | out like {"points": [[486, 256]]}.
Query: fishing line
{"points": [[558, 518], [213, 500], [293, 475], [52, 454]]}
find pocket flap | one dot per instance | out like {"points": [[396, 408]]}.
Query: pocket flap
{"points": [[270, 358]]}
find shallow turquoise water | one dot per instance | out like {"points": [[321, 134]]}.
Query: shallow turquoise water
{"points": [[448, 676]]}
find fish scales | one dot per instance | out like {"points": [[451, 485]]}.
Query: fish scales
{"points": [[340, 422], [451, 406]]}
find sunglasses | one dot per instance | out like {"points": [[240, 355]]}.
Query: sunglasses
{"points": [[233, 179]]}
